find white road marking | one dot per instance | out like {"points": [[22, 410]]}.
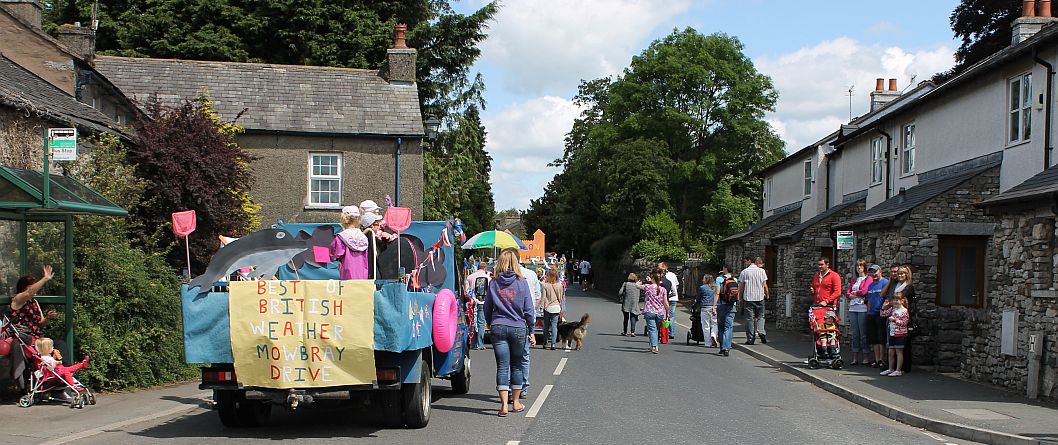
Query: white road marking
{"points": [[561, 365], [119, 425], [539, 401], [513, 442]]}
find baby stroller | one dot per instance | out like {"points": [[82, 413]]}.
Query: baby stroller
{"points": [[42, 381], [826, 347], [696, 333]]}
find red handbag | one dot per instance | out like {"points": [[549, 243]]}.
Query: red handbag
{"points": [[5, 346], [664, 332]]}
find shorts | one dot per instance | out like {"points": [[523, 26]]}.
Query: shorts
{"points": [[897, 342], [876, 329]]}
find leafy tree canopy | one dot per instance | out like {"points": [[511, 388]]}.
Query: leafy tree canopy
{"points": [[983, 26]]}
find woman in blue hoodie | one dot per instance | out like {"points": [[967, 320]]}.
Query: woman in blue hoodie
{"points": [[511, 315]]}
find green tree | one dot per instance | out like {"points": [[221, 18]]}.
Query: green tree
{"points": [[457, 168], [983, 26], [661, 239]]}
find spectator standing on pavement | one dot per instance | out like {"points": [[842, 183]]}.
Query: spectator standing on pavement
{"points": [[899, 319], [479, 305], [857, 295], [904, 285], [630, 296], [753, 289], [707, 305], [894, 277], [674, 295], [876, 329], [826, 285], [725, 303], [655, 308], [509, 309], [554, 296], [585, 275]]}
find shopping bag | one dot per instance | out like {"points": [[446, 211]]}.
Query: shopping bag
{"points": [[664, 334]]}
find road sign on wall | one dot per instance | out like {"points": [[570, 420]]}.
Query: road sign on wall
{"points": [[846, 239], [62, 143]]}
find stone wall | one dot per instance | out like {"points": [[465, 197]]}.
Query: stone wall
{"points": [[796, 264], [1021, 278], [945, 333]]}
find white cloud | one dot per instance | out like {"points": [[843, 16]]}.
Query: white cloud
{"points": [[546, 46], [523, 138], [813, 82]]}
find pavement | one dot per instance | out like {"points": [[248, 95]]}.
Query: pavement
{"points": [[939, 403]]}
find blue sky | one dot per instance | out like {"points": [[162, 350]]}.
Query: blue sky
{"points": [[539, 50]]}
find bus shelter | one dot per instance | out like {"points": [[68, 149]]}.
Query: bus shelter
{"points": [[27, 198]]}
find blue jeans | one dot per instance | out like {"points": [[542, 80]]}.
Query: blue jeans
{"points": [[525, 360], [508, 343], [672, 316], [725, 317], [550, 327], [653, 325], [858, 320], [479, 326]]}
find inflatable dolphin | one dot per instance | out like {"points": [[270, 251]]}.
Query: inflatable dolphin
{"points": [[266, 249]]}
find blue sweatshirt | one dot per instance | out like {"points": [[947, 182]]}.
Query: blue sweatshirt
{"points": [[509, 302], [875, 300]]}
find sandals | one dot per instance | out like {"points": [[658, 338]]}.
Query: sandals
{"points": [[518, 410], [502, 414]]}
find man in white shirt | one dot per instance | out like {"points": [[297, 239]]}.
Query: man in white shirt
{"points": [[753, 290], [585, 275], [479, 304], [674, 295]]}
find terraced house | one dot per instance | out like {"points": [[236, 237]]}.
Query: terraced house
{"points": [[955, 180]]}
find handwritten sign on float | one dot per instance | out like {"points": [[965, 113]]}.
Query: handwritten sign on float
{"points": [[302, 333]]}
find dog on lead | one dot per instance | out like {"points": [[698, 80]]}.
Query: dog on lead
{"points": [[572, 332]]}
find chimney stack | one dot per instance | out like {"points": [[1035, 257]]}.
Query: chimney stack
{"points": [[1031, 20], [400, 60], [881, 96], [28, 11], [80, 40]]}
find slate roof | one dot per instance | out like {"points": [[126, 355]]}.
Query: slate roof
{"points": [[276, 98], [1041, 185], [25, 91], [779, 213], [797, 229], [919, 194]]}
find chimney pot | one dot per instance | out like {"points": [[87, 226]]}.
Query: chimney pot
{"points": [[1045, 8], [1028, 8], [879, 84], [892, 84], [399, 36]]}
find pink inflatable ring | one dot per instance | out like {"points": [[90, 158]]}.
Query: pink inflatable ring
{"points": [[445, 320]]}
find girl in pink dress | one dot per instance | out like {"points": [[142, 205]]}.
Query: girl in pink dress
{"points": [[350, 246]]}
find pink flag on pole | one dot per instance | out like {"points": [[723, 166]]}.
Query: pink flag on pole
{"points": [[184, 222], [322, 254], [398, 218]]}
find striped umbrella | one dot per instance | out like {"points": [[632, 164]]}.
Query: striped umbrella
{"points": [[494, 239]]}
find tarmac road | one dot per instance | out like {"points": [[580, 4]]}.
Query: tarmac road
{"points": [[613, 391]]}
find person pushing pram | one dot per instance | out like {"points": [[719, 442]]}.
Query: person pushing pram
{"points": [[822, 317]]}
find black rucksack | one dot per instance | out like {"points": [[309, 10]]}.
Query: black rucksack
{"points": [[729, 290]]}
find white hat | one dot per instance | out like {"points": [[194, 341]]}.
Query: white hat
{"points": [[369, 218], [369, 206], [351, 210]]}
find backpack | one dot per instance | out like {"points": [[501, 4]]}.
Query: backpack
{"points": [[729, 290]]}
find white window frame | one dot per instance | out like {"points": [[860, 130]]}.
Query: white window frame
{"points": [[1019, 109], [313, 203], [907, 150], [809, 178], [767, 194], [877, 161]]}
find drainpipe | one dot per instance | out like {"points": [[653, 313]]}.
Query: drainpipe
{"points": [[888, 162], [1047, 108], [396, 194]]}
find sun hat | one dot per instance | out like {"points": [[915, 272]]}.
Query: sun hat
{"points": [[351, 210], [370, 206], [369, 218]]}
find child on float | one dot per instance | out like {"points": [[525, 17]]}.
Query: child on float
{"points": [[350, 246], [51, 358], [371, 220], [899, 318]]}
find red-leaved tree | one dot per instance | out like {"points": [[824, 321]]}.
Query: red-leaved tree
{"points": [[191, 162]]}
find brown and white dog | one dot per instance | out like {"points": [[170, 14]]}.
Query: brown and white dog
{"points": [[573, 331]]}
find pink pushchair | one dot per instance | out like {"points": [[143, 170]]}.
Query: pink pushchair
{"points": [[826, 345], [43, 381]]}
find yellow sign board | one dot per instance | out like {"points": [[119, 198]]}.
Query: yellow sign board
{"points": [[302, 333]]}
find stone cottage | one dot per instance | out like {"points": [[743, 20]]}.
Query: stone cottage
{"points": [[324, 137]]}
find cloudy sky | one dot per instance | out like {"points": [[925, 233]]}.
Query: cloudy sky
{"points": [[814, 50]]}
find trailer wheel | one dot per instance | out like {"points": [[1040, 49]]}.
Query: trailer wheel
{"points": [[227, 408], [254, 413], [461, 381], [237, 412], [417, 398]]}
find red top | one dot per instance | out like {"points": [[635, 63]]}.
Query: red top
{"points": [[826, 289]]}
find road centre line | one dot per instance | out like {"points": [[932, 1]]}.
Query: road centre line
{"points": [[539, 401], [119, 425], [513, 442], [561, 365]]}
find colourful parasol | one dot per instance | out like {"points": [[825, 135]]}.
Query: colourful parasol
{"points": [[494, 239]]}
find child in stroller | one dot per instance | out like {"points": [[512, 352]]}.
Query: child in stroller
{"points": [[48, 375], [826, 351]]}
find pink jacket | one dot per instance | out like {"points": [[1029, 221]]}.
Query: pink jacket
{"points": [[862, 291]]}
